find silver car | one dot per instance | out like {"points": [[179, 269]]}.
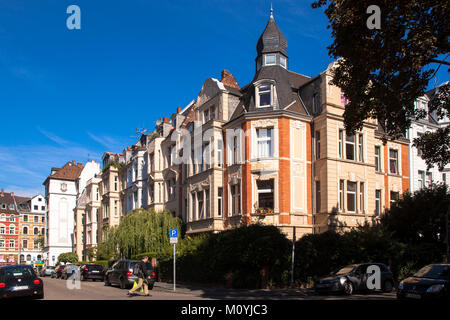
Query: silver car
{"points": [[47, 271]]}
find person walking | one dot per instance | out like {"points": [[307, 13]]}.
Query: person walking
{"points": [[140, 270]]}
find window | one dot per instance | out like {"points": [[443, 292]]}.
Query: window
{"points": [[24, 243], [265, 193], [361, 147], [2, 230], [264, 96], [36, 218], [12, 230], [12, 243], [220, 153], [283, 62], [421, 179], [212, 112], [43, 208], [42, 219], [316, 103], [361, 197], [2, 243], [152, 162], [25, 230], [394, 197], [193, 206], [344, 100], [393, 161], [28, 257], [42, 231], [270, 59], [235, 150], [429, 180], [350, 147], [36, 207], [3, 217], [206, 115], [12, 218], [207, 209], [116, 183], [377, 159], [317, 144], [36, 231], [194, 167], [351, 196], [377, 202], [201, 210], [317, 196], [236, 199], [444, 178], [341, 195], [419, 152], [35, 244], [264, 140], [219, 201]]}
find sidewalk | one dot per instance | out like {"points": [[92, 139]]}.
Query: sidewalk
{"points": [[199, 290]]}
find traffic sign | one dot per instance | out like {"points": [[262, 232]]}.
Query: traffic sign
{"points": [[173, 240], [173, 233]]}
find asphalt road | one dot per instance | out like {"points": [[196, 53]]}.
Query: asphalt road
{"points": [[56, 289]]}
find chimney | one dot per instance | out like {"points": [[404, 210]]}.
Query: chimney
{"points": [[229, 80], [179, 110], [166, 120], [3, 192]]}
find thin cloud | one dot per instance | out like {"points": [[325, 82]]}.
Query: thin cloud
{"points": [[53, 137], [108, 142]]}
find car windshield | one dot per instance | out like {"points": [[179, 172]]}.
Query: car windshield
{"points": [[434, 272], [344, 270], [18, 271]]}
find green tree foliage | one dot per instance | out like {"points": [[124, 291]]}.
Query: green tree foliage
{"points": [[140, 231], [383, 71], [420, 217], [70, 257]]}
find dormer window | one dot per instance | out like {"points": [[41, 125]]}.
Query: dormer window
{"points": [[265, 95], [283, 62], [270, 59]]}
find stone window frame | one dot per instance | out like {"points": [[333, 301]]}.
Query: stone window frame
{"points": [[254, 178], [264, 124], [265, 82]]}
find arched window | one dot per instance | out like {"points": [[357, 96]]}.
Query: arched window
{"points": [[25, 244], [36, 231], [12, 218], [12, 230], [3, 217], [22, 257], [25, 230], [28, 257], [39, 257]]}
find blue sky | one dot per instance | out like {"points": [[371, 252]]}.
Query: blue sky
{"points": [[74, 94]]}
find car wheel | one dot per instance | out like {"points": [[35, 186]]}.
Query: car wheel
{"points": [[107, 283], [348, 288], [122, 283], [387, 286], [40, 296]]}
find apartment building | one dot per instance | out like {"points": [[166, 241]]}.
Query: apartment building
{"points": [[421, 176], [9, 229], [31, 228]]}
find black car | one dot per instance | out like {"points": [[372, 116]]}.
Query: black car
{"points": [[430, 282], [352, 278], [20, 281], [56, 273], [92, 271], [121, 273]]}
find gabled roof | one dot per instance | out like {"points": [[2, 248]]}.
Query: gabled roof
{"points": [[70, 171]]}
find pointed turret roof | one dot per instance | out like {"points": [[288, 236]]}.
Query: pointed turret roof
{"points": [[271, 40]]}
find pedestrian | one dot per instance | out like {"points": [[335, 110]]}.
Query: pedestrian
{"points": [[140, 270]]}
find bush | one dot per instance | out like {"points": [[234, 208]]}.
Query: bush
{"points": [[103, 263], [235, 257], [70, 257]]}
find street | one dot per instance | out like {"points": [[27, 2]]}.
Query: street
{"points": [[56, 289]]}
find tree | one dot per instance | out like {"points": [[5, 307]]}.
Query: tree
{"points": [[420, 217], [141, 231], [70, 257], [383, 71]]}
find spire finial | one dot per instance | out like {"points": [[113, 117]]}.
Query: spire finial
{"points": [[271, 10]]}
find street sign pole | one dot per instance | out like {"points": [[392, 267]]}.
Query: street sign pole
{"points": [[174, 267], [293, 258]]}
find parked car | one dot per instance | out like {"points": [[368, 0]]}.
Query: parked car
{"points": [[69, 270], [121, 273], [20, 281], [430, 282], [56, 273], [47, 271], [352, 278], [92, 271]]}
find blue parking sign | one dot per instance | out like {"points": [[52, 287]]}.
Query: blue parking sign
{"points": [[173, 233]]}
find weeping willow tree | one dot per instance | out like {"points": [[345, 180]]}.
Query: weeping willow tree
{"points": [[142, 231]]}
